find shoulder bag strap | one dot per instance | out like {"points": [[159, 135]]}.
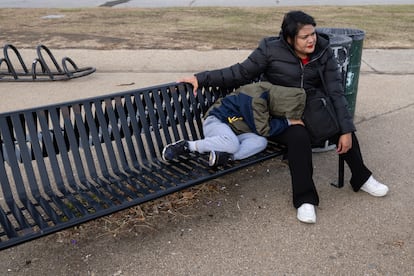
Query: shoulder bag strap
{"points": [[323, 82]]}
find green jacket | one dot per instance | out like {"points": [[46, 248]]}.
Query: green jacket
{"points": [[260, 107]]}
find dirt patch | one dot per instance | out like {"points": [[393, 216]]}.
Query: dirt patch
{"points": [[151, 216]]}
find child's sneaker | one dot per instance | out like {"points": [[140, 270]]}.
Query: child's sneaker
{"points": [[219, 158], [172, 150]]}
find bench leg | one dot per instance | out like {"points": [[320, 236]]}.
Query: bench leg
{"points": [[341, 168]]}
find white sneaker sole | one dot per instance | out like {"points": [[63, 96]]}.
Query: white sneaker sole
{"points": [[307, 219], [377, 193]]}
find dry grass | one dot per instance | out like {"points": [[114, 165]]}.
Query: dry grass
{"points": [[193, 28], [142, 218]]}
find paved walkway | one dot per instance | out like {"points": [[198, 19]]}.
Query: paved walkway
{"points": [[118, 70]]}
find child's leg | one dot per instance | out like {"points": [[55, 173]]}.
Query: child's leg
{"points": [[218, 137], [250, 144]]}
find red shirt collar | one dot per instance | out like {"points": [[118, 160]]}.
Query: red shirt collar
{"points": [[305, 60]]}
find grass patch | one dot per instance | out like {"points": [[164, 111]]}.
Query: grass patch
{"points": [[386, 26]]}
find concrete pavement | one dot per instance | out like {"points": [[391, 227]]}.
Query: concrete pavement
{"points": [[251, 227], [118, 70]]}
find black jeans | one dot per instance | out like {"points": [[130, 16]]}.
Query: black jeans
{"points": [[301, 167]]}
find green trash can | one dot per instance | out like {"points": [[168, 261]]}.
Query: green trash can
{"points": [[353, 62], [341, 46]]}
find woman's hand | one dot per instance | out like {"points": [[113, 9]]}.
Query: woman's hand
{"points": [[344, 143], [191, 80], [296, 122]]}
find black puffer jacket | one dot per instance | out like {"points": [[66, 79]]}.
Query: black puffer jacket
{"points": [[275, 61]]}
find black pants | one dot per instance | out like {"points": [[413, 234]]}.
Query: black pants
{"points": [[301, 168]]}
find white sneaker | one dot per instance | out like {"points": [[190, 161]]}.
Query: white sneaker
{"points": [[374, 188], [306, 213]]}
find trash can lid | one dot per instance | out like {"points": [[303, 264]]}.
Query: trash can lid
{"points": [[340, 40], [355, 34]]}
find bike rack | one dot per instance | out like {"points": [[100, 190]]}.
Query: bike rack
{"points": [[57, 73]]}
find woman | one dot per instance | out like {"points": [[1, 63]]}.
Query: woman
{"points": [[294, 59]]}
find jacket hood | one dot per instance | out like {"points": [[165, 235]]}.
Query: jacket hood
{"points": [[323, 40]]}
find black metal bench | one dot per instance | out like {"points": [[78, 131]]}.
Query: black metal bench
{"points": [[64, 164]]}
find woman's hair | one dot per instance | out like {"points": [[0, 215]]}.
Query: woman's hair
{"points": [[293, 22]]}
